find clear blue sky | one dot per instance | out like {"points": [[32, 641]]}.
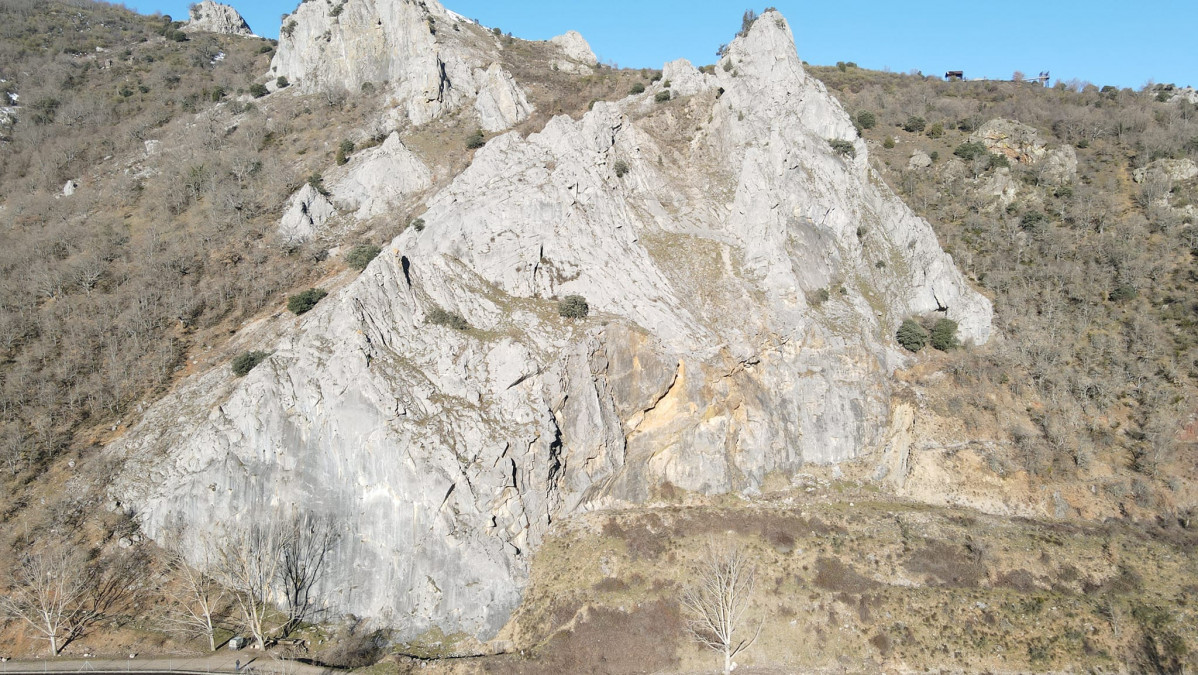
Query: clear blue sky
{"points": [[1102, 41]]}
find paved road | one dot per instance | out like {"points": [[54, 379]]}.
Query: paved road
{"points": [[221, 662]]}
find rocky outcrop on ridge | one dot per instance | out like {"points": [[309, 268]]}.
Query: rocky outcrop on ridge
{"points": [[435, 61], [745, 281], [213, 17], [579, 59]]}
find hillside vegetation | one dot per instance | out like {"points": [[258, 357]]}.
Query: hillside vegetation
{"points": [[1094, 277]]}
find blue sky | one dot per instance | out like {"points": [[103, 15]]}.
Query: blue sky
{"points": [[1102, 41]]}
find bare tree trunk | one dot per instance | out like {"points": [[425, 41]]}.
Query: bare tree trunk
{"points": [[198, 596], [47, 592], [305, 551], [248, 562], [718, 601]]}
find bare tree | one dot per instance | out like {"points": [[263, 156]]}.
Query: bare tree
{"points": [[197, 597], [248, 564], [718, 600], [48, 592], [305, 550]]}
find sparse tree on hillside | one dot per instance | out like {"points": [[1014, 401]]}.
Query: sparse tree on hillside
{"points": [[718, 601], [60, 594], [248, 562], [198, 595], [47, 592], [305, 552]]}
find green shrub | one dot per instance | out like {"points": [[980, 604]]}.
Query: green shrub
{"points": [[818, 297], [417, 224], [244, 362], [266, 48], [934, 156], [476, 140], [662, 96], [637, 88], [842, 147], [915, 124], [936, 130], [1123, 292], [1032, 220], [304, 302], [361, 255], [440, 317], [258, 90], [888, 143], [911, 335], [970, 149], [573, 307], [343, 152], [317, 182], [281, 82], [944, 335], [866, 119], [968, 124], [368, 88], [621, 168]]}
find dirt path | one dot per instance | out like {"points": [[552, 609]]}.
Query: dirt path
{"points": [[226, 662]]}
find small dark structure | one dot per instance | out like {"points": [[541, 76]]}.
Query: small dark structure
{"points": [[955, 76], [1043, 78]]}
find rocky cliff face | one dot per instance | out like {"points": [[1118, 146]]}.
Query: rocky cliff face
{"points": [[435, 61], [213, 17], [745, 280]]}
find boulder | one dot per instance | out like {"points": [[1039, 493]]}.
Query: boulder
{"points": [[1017, 141], [1172, 170], [575, 48], [307, 212], [919, 160]]}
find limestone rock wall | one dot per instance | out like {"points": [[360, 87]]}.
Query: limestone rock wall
{"points": [[213, 17], [434, 61], [741, 326]]}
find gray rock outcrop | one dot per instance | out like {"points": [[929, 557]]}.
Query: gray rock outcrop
{"points": [[1017, 141], [374, 182], [1172, 170], [742, 328], [307, 212], [435, 61], [213, 17], [919, 160], [575, 47]]}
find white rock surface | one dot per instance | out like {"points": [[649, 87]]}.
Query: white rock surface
{"points": [[307, 212], [213, 17], [69, 188], [1017, 141], [501, 102], [919, 160], [1059, 166], [434, 61], [684, 79], [445, 455], [1175, 170], [377, 180], [575, 47]]}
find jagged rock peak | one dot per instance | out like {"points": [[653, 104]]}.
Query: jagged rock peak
{"points": [[434, 61], [748, 281], [213, 17]]}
